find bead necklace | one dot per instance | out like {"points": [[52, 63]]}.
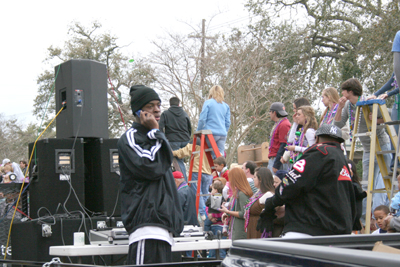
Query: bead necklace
{"points": [[248, 205], [395, 83], [330, 115], [298, 141], [182, 185]]}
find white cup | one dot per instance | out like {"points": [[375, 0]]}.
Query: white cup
{"points": [[286, 156], [79, 239]]}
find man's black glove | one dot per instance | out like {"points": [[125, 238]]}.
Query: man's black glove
{"points": [[266, 220]]}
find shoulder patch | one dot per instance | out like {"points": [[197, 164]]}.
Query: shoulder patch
{"points": [[300, 165], [344, 175]]}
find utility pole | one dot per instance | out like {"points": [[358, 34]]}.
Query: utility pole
{"points": [[202, 55]]}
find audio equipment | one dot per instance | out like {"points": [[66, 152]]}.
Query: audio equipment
{"points": [[28, 242], [102, 176], [55, 165], [81, 87]]}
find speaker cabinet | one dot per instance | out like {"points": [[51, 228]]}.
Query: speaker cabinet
{"points": [[55, 165], [81, 86], [102, 176], [29, 244]]}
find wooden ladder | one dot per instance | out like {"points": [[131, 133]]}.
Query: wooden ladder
{"points": [[375, 149]]}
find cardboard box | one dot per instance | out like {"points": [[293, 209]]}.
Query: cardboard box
{"points": [[380, 247]]}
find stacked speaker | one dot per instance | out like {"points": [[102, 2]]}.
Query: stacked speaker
{"points": [[80, 167]]}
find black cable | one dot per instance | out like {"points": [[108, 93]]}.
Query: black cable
{"points": [[62, 237], [84, 209], [50, 215], [115, 206], [68, 177]]}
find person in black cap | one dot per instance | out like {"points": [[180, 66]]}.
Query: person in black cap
{"points": [[149, 200], [175, 123], [317, 192], [278, 136]]}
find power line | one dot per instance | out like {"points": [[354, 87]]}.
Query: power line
{"points": [[229, 22], [221, 25]]}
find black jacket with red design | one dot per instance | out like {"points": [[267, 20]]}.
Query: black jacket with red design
{"points": [[317, 193]]}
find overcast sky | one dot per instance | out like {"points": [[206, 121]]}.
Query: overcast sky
{"points": [[30, 27]]}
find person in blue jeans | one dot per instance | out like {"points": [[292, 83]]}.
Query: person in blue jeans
{"points": [[206, 177], [175, 123], [216, 116], [352, 93], [392, 83], [383, 94]]}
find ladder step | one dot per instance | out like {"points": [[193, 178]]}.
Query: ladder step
{"points": [[204, 195], [390, 173], [385, 152], [392, 122], [389, 177], [203, 132], [383, 190], [205, 150], [363, 134], [192, 182]]}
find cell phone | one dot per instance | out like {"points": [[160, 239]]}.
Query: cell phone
{"points": [[138, 113]]}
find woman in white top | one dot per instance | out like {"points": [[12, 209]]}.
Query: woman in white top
{"points": [[305, 137], [330, 98]]}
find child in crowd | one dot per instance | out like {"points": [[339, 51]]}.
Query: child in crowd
{"points": [[380, 213], [214, 215], [8, 170], [220, 168], [360, 194], [277, 181]]}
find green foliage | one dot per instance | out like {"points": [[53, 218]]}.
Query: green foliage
{"points": [[14, 139], [341, 39], [291, 49]]}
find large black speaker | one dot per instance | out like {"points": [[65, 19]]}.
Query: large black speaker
{"points": [[81, 85], [29, 244], [55, 165], [102, 176]]}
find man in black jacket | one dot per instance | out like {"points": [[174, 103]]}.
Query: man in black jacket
{"points": [[175, 123], [149, 200], [317, 192]]}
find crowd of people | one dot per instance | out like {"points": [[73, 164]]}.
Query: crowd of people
{"points": [[309, 187], [12, 172]]}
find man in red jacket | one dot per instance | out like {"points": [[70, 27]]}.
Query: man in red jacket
{"points": [[278, 135]]}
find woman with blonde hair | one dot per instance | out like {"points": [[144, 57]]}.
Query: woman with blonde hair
{"points": [[216, 116], [306, 136], [234, 213], [330, 98]]}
